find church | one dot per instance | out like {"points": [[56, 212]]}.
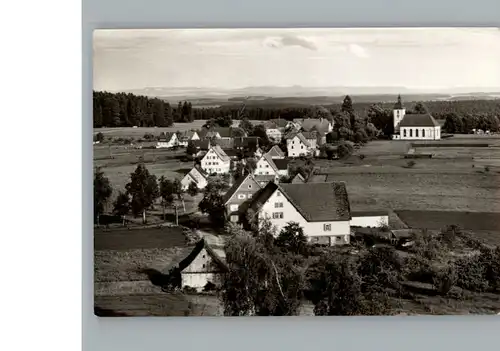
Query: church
{"points": [[414, 126]]}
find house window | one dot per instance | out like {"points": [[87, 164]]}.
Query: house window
{"points": [[278, 204], [302, 146], [249, 186], [416, 133], [203, 266], [278, 193], [404, 133], [423, 133], [327, 227], [411, 132], [234, 208], [267, 172], [234, 218], [241, 196], [277, 215], [267, 166]]}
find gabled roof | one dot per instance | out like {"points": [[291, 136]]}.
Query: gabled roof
{"points": [[229, 194], [369, 213], [281, 163], [186, 135], [312, 134], [200, 170], [264, 178], [270, 161], [224, 143], [280, 123], [300, 136], [220, 153], [275, 152], [418, 120], [298, 179], [231, 152], [317, 178], [166, 136], [316, 202], [217, 255]]}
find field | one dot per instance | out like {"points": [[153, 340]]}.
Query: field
{"points": [[459, 185]]}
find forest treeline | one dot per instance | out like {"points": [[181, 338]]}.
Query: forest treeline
{"points": [[126, 110]]}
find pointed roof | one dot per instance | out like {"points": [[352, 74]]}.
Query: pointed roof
{"points": [[316, 202], [270, 161], [229, 194], [217, 255], [202, 144], [220, 153], [320, 124], [250, 142], [279, 122], [398, 105], [264, 178], [281, 163], [275, 152], [298, 179], [166, 136], [418, 120], [300, 136]]}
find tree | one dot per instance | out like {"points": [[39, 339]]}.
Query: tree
{"points": [[382, 119], [99, 137], [121, 206], [347, 105], [179, 192], [247, 126], [292, 239], [259, 279], [102, 192], [360, 136], [453, 123], [166, 193], [344, 150], [191, 149], [192, 189], [260, 131], [143, 189], [213, 203], [420, 108]]}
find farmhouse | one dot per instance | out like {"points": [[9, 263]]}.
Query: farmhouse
{"points": [[297, 145], [167, 140], [321, 209], [237, 197], [203, 265], [216, 161], [195, 175], [187, 136], [275, 129], [267, 166], [414, 126]]}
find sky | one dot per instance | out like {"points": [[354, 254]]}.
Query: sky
{"points": [[418, 58]]}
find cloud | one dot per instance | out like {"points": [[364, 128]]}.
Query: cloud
{"points": [[289, 40], [358, 51]]}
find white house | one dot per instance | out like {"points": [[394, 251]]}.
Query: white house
{"points": [[216, 161], [414, 126], [275, 152], [203, 265], [266, 165], [297, 145], [167, 140], [196, 175], [273, 131], [321, 209], [373, 219], [187, 136]]}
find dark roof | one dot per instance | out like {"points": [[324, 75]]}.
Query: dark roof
{"points": [[264, 177], [398, 105], [201, 144], [315, 123], [250, 142], [236, 186], [281, 123], [418, 120], [317, 178], [281, 163], [202, 172], [369, 213], [231, 152], [224, 143], [227, 132], [316, 202], [202, 244], [263, 195], [220, 153], [166, 136], [275, 151], [313, 134]]}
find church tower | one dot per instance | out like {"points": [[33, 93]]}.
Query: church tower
{"points": [[398, 113]]}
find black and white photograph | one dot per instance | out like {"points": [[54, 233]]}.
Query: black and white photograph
{"points": [[296, 172]]}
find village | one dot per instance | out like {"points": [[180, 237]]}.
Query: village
{"points": [[273, 177]]}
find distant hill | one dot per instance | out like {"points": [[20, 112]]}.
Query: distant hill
{"points": [[300, 96]]}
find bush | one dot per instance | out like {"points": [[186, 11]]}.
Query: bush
{"points": [[486, 168], [345, 150], [99, 137], [148, 136], [361, 157], [410, 164], [471, 273], [189, 290], [444, 279], [209, 287]]}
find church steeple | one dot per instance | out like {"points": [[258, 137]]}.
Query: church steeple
{"points": [[398, 105]]}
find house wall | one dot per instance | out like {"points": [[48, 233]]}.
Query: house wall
{"points": [[369, 221], [201, 182], [264, 168], [245, 192], [200, 271], [199, 280], [420, 133], [167, 144], [296, 148], [290, 214], [397, 116], [274, 134], [211, 163]]}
